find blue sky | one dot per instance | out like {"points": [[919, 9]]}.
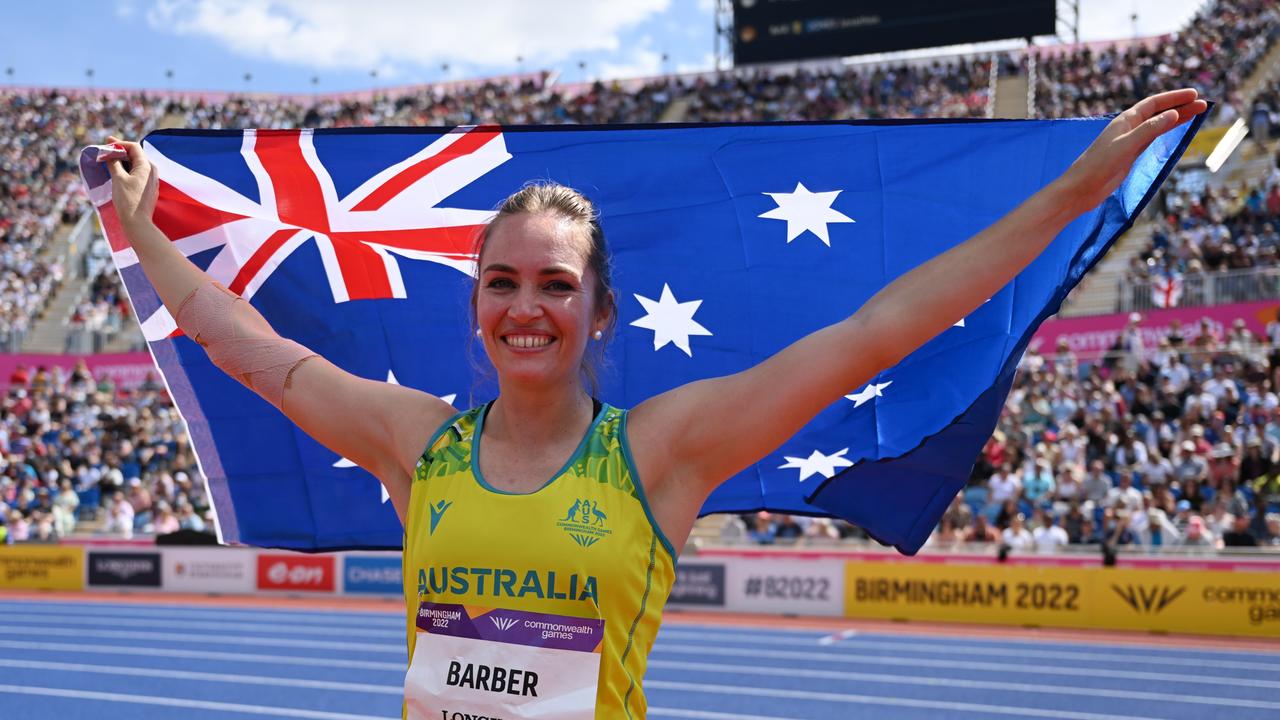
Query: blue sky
{"points": [[284, 44]]}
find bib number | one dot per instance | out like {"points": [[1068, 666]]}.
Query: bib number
{"points": [[472, 663]]}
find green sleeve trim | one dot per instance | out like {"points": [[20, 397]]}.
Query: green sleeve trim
{"points": [[640, 493], [435, 436]]}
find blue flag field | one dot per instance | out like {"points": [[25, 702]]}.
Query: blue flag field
{"points": [[729, 242]]}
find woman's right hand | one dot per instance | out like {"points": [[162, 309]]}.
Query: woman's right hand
{"points": [[133, 192]]}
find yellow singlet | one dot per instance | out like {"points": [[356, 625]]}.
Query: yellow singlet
{"points": [[584, 545]]}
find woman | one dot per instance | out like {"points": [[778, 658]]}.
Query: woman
{"points": [[573, 508]]}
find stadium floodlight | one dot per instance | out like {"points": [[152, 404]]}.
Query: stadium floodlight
{"points": [[1231, 139]]}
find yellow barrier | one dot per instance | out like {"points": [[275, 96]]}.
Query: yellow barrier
{"points": [[1217, 603], [42, 567]]}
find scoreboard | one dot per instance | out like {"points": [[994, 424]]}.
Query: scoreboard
{"points": [[779, 30]]}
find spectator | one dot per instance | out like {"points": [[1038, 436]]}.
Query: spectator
{"points": [[980, 531], [1239, 535], [1049, 537], [1016, 537]]}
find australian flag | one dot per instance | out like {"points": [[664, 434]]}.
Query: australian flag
{"points": [[729, 242]]}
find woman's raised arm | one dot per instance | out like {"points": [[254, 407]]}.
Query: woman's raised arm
{"points": [[682, 454], [379, 426]]}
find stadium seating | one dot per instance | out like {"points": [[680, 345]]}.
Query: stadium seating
{"points": [[73, 447]]}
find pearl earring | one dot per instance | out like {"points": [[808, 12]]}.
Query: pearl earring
{"points": [[597, 335], [478, 333]]}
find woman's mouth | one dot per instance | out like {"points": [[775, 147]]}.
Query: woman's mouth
{"points": [[527, 341]]}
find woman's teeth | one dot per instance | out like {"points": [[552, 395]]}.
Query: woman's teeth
{"points": [[527, 341]]}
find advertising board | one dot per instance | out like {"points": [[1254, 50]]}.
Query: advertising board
{"points": [[296, 573], [372, 574], [124, 569], [221, 570], [41, 567]]}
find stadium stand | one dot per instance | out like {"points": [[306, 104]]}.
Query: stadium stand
{"points": [[1180, 447]]}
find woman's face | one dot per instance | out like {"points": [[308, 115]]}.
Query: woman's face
{"points": [[536, 304]]}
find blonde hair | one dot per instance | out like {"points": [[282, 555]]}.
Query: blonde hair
{"points": [[561, 201]]}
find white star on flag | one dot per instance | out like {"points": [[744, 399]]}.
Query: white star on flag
{"points": [[670, 321], [804, 210], [960, 322], [345, 463], [868, 392], [817, 464]]}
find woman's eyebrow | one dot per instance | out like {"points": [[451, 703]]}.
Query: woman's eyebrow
{"points": [[551, 270]]}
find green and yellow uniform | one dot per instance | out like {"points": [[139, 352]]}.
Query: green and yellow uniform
{"points": [[584, 545]]}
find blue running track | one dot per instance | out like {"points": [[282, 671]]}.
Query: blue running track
{"points": [[101, 661]]}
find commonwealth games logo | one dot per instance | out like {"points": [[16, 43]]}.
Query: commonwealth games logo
{"points": [[585, 522]]}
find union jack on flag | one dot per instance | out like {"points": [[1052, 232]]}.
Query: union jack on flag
{"points": [[729, 242]]}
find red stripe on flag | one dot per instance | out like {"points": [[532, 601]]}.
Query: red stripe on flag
{"points": [[259, 258], [299, 199], [111, 227], [473, 140], [363, 271], [178, 215], [458, 240]]}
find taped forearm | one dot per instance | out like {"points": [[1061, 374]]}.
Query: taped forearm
{"points": [[240, 341]]}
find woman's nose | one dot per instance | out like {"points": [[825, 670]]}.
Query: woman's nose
{"points": [[524, 306]]}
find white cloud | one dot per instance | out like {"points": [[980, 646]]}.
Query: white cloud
{"points": [[706, 63], [340, 34], [1110, 20], [639, 61]]}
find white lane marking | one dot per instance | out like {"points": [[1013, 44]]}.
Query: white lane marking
{"points": [[44, 631], [893, 701], [205, 676], [81, 648], [953, 644], [837, 637], [826, 657], [864, 644], [258, 628], [55, 610], [953, 682], [709, 715], [184, 703], [963, 642]]}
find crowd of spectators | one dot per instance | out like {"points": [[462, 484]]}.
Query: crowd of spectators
{"points": [[1173, 446], [1215, 52], [73, 448], [1201, 241], [124, 458]]}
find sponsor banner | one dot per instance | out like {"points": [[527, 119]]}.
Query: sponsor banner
{"points": [[379, 574], [296, 573], [223, 570], [41, 567], [126, 370], [1184, 601], [698, 584], [1091, 336], [788, 587], [124, 569]]}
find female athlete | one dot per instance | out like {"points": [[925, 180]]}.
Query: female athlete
{"points": [[540, 528]]}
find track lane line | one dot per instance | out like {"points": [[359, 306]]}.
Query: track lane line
{"points": [[183, 703]]}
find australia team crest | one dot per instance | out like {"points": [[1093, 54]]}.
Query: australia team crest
{"points": [[585, 522]]}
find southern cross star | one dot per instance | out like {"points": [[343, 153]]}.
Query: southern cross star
{"points": [[817, 464], [804, 210], [873, 390], [670, 321]]}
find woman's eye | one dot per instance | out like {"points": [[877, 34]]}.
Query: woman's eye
{"points": [[559, 286], [501, 283]]}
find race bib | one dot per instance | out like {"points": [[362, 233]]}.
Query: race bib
{"points": [[474, 663]]}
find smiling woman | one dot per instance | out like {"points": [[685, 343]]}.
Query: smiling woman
{"points": [[570, 514]]}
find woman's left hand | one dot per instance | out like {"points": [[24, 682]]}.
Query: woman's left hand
{"points": [[1105, 164]]}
